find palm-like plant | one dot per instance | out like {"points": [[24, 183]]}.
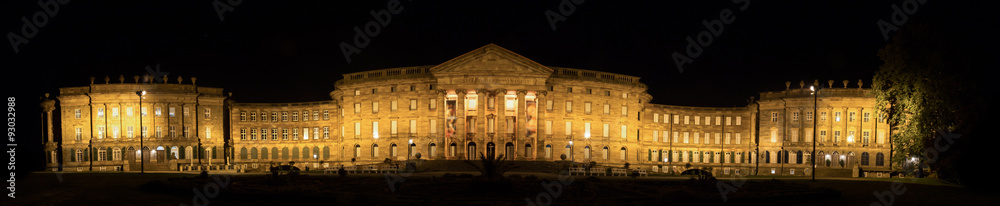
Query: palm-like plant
{"points": [[493, 167]]}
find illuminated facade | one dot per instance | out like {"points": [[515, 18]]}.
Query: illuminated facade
{"points": [[490, 101]]}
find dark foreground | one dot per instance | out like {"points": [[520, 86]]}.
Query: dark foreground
{"points": [[465, 189]]}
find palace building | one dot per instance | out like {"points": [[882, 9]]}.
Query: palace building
{"points": [[489, 100]]}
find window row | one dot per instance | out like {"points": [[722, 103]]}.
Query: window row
{"points": [[77, 113], [284, 132], [130, 132], [698, 120], [284, 116], [851, 116]]}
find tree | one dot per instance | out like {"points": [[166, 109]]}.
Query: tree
{"points": [[930, 83]]}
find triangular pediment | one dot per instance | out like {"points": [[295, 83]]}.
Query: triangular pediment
{"points": [[491, 60]]}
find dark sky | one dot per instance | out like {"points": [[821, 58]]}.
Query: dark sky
{"points": [[287, 51]]}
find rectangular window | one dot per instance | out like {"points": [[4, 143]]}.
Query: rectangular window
{"points": [[357, 129], [697, 120], [326, 114], [243, 116], [374, 107], [173, 131], [433, 104], [413, 104], [728, 138], [687, 119], [100, 132], [208, 132], [867, 116], [836, 116], [675, 137], [774, 135], [718, 120], [243, 134], [159, 131], [187, 131], [142, 111], [130, 132], [392, 127], [548, 105], [717, 138], [590, 91], [774, 117], [624, 131], [548, 127], [795, 116], [305, 115], [586, 129], [295, 116], [170, 112], [100, 112], [809, 135], [738, 138], [676, 118], [128, 111], [656, 135], [114, 112], [434, 126], [708, 120], [284, 134], [375, 129], [76, 113], [738, 120], [144, 131], [822, 116], [413, 127], [607, 109], [305, 133], [186, 111], [687, 137], [569, 128], [295, 133], [357, 108], [284, 116], [624, 111], [392, 105], [850, 116], [392, 89], [656, 118], [315, 132], [253, 134], [316, 115], [607, 130], [208, 113], [274, 116], [809, 116], [586, 107], [326, 132], [795, 135], [836, 136], [822, 136]]}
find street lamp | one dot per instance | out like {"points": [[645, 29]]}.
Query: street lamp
{"points": [[142, 158], [815, 126]]}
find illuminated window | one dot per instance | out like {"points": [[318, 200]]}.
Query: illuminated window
{"points": [[413, 104], [100, 112], [836, 116], [774, 117], [114, 112], [586, 107]]}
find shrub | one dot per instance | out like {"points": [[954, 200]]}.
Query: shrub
{"points": [[203, 174]]}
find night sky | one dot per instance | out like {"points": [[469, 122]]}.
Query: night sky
{"points": [[288, 51]]}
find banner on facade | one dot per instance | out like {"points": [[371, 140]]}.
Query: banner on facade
{"points": [[450, 114], [530, 111]]}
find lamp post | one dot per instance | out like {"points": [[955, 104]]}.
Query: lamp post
{"points": [[142, 157], [815, 125]]}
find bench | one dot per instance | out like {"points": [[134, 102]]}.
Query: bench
{"points": [[351, 169], [330, 170], [598, 171], [617, 171], [577, 170], [642, 172], [371, 168], [390, 168]]}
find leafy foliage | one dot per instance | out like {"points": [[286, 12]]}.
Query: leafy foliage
{"points": [[493, 167]]}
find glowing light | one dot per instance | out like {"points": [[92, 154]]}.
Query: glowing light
{"points": [[411, 141], [375, 134], [570, 142], [586, 135]]}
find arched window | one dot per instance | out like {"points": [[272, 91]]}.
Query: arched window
{"points": [[509, 150], [623, 153], [413, 149], [548, 151], [284, 153], [243, 153], [375, 150], [326, 152], [452, 150], [604, 152], [263, 153], [586, 152], [767, 156], [116, 154], [569, 152], [253, 153], [798, 157], [472, 150], [274, 153], [879, 159], [174, 152], [315, 152], [431, 151], [357, 151], [295, 153], [864, 158]]}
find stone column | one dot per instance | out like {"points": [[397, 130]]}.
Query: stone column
{"points": [[441, 96], [481, 113], [522, 123], [537, 143], [460, 131], [501, 119]]}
